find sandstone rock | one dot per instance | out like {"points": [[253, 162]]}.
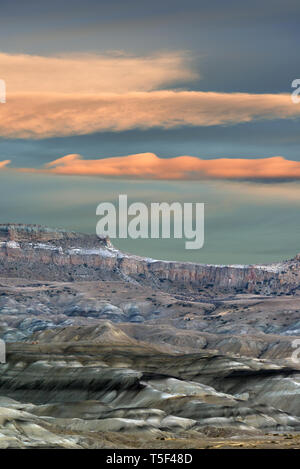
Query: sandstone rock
{"points": [[42, 253]]}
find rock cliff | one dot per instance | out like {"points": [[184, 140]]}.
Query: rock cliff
{"points": [[36, 252]]}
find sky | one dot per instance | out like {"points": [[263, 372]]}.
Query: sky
{"points": [[163, 101]]}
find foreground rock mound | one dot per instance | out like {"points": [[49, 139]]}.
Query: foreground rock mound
{"points": [[78, 390]]}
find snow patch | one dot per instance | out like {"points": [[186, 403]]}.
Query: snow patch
{"points": [[49, 247], [12, 245], [89, 252]]}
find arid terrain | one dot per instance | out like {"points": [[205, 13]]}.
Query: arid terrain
{"points": [[111, 350]]}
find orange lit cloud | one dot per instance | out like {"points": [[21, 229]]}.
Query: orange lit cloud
{"points": [[3, 164], [79, 94], [149, 166], [43, 115], [94, 73]]}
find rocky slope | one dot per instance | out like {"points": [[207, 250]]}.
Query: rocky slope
{"points": [[76, 394], [111, 350], [254, 326]]}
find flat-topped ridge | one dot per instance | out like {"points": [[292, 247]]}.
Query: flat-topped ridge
{"points": [[39, 233], [39, 252]]}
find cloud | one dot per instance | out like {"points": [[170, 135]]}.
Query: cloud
{"points": [[79, 94], [94, 73], [4, 163], [149, 166], [44, 115]]}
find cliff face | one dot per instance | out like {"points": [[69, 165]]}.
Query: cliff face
{"points": [[35, 252]]}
